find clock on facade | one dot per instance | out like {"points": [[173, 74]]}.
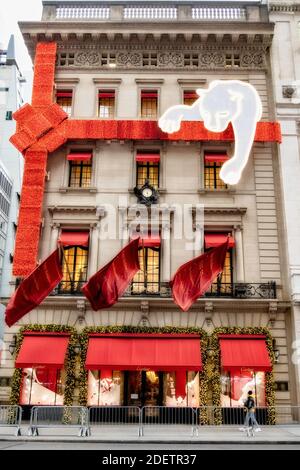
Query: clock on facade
{"points": [[147, 194]]}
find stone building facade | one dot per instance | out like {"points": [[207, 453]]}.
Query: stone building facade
{"points": [[130, 62]]}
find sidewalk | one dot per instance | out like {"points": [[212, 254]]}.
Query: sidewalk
{"points": [[289, 434]]}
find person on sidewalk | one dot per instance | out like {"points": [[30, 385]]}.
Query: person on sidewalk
{"points": [[249, 404]]}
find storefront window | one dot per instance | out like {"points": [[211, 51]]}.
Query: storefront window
{"points": [[105, 388], [43, 386], [181, 388], [236, 385]]}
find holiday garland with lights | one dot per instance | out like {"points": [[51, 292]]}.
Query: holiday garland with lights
{"points": [[215, 377], [70, 361]]}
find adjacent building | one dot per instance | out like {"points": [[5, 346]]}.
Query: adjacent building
{"points": [[118, 66], [286, 73], [11, 81]]}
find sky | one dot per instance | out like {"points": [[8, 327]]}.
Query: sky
{"points": [[11, 12]]}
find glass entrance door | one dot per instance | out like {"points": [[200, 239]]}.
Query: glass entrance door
{"points": [[144, 388]]}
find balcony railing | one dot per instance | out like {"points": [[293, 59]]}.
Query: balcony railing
{"points": [[241, 290], [68, 288], [154, 11]]}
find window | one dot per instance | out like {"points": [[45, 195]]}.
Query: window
{"points": [[75, 261], [212, 165], [8, 116], [106, 104], [150, 59], [80, 174], [224, 284], [5, 184], [181, 388], [146, 281], [147, 168], [189, 97], [235, 386], [233, 60], [2, 243], [149, 104], [43, 386], [105, 388], [4, 205], [64, 99]]}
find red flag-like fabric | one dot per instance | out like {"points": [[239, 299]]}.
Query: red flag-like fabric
{"points": [[34, 288], [195, 277], [107, 285]]}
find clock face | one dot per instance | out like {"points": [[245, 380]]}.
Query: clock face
{"points": [[147, 192]]}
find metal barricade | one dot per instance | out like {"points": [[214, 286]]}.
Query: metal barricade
{"points": [[107, 416], [178, 419], [59, 417], [10, 417]]}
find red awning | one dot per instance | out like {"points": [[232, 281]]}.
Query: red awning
{"points": [[217, 158], [106, 94], [190, 95], [148, 157], [148, 241], [244, 353], [149, 94], [85, 157], [212, 240], [43, 350], [64, 94], [74, 238], [134, 352]]}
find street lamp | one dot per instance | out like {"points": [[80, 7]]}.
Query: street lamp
{"points": [[276, 351], [12, 345]]}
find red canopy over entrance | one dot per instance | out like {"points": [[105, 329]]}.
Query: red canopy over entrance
{"points": [[138, 352]]}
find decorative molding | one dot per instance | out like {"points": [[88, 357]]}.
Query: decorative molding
{"points": [[107, 81], [153, 56], [284, 7], [225, 210], [288, 91], [191, 81], [67, 81], [149, 81], [60, 209]]}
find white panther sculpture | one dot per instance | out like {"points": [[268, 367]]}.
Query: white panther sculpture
{"points": [[223, 102]]}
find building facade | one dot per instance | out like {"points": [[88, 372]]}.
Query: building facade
{"points": [[118, 67], [286, 72]]}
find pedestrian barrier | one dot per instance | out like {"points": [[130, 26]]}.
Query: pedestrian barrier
{"points": [[59, 417], [123, 416], [10, 417], [178, 419]]}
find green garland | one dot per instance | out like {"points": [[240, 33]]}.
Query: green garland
{"points": [[70, 360], [215, 378], [84, 338]]}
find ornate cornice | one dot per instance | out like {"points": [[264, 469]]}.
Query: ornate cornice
{"points": [[163, 56], [225, 210], [284, 7]]}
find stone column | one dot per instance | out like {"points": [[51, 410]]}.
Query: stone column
{"points": [[54, 236], [93, 249], [123, 226], [166, 251], [240, 274], [199, 239]]}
